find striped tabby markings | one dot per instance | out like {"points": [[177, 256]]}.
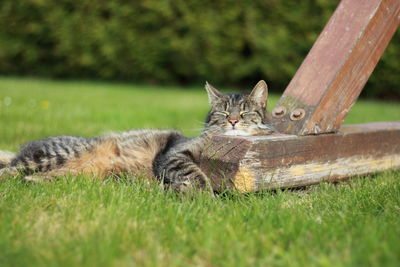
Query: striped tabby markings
{"points": [[139, 158], [5, 158], [107, 158], [98, 161]]}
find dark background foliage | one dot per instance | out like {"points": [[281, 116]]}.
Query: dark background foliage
{"points": [[226, 42]]}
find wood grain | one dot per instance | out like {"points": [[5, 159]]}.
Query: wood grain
{"points": [[339, 64], [282, 161]]}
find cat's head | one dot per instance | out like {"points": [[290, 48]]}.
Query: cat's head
{"points": [[239, 114]]}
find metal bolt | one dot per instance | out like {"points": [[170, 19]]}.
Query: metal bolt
{"points": [[297, 114], [279, 112]]}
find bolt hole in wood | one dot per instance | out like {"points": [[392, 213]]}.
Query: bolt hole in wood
{"points": [[297, 114], [279, 112]]}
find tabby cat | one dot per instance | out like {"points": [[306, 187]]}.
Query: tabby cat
{"points": [[164, 154]]}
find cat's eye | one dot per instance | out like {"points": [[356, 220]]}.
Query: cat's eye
{"points": [[223, 113], [244, 113]]}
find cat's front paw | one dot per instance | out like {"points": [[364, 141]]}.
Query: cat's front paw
{"points": [[189, 187], [184, 186]]}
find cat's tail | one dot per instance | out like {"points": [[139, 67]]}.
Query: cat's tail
{"points": [[6, 158]]}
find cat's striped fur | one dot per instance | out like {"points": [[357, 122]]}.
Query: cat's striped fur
{"points": [[164, 154], [6, 158]]}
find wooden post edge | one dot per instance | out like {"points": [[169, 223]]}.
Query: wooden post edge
{"points": [[282, 161], [336, 69]]}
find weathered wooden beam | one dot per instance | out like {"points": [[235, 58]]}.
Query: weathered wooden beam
{"points": [[336, 69], [283, 161]]}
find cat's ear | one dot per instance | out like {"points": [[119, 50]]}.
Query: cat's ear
{"points": [[213, 94], [259, 93]]}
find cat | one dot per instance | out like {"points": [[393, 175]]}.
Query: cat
{"points": [[166, 155]]}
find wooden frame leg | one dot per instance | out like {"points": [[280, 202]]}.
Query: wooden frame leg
{"points": [[336, 69], [281, 161], [314, 104]]}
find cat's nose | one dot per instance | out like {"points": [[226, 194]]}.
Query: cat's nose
{"points": [[233, 122]]}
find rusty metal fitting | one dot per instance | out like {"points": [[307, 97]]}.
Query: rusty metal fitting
{"points": [[297, 114], [279, 112]]}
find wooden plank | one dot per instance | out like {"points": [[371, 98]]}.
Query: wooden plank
{"points": [[282, 161], [336, 69]]}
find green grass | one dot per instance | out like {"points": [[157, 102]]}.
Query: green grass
{"points": [[77, 221]]}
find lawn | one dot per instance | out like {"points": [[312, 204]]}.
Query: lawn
{"points": [[78, 221]]}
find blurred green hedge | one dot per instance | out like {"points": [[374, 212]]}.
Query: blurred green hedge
{"points": [[226, 42]]}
